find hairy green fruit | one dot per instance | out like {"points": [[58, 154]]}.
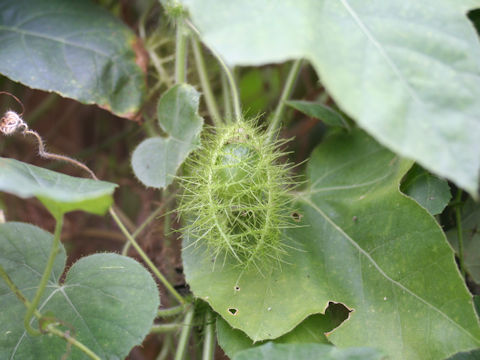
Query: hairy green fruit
{"points": [[235, 195]]}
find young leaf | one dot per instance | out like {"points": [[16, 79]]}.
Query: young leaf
{"points": [[107, 301], [471, 239], [363, 244], [428, 190], [74, 48], [407, 74], [60, 193], [319, 111], [271, 350], [156, 160]]}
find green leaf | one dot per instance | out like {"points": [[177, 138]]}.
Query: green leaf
{"points": [[476, 303], [272, 351], [156, 160], [312, 330], [258, 89], [407, 74], [428, 190], [471, 238], [73, 48], [363, 244], [319, 111], [470, 355], [58, 192], [107, 301]]}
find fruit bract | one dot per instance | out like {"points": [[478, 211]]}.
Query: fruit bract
{"points": [[235, 195]]}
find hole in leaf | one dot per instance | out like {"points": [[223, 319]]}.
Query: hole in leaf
{"points": [[336, 313], [474, 17], [233, 311], [237, 288], [296, 216]]}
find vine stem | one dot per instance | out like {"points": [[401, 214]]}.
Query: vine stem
{"points": [[207, 90], [43, 281], [50, 328], [228, 73], [170, 311], [209, 340], [145, 258], [165, 328], [167, 344], [180, 53], [15, 289], [184, 335], [147, 221], [286, 93], [73, 341], [227, 105], [458, 218]]}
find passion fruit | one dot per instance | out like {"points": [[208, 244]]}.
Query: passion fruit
{"points": [[235, 195]]}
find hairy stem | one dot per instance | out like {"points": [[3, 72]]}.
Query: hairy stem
{"points": [[43, 281], [43, 153], [145, 258], [229, 75], [50, 328], [286, 93], [184, 335], [147, 221], [165, 328], [180, 53], [167, 344], [14, 288], [157, 63], [71, 340], [209, 336], [458, 218], [171, 311], [227, 104], [207, 90]]}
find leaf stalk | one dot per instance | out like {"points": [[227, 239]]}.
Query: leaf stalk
{"points": [[44, 279]]}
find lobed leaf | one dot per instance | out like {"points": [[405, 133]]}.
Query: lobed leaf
{"points": [[156, 160], [73, 48], [60, 193], [107, 301], [406, 70]]}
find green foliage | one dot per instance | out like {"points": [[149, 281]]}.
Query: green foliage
{"points": [[74, 48], [319, 111], [58, 192], [107, 301], [271, 351], [312, 330], [235, 199], [351, 264], [470, 355], [428, 190], [387, 64], [400, 278], [471, 238], [156, 160]]}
